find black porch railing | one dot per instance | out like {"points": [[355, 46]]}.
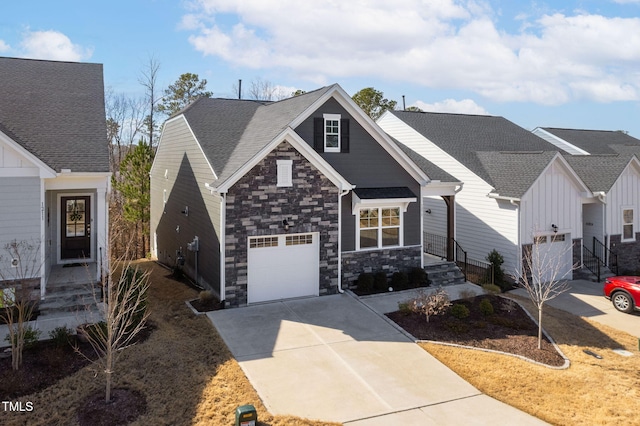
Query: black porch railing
{"points": [[591, 262], [475, 271], [606, 256]]}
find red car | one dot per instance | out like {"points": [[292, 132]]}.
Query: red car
{"points": [[624, 292]]}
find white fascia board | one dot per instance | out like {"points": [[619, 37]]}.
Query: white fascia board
{"points": [[195, 139], [500, 197], [435, 187], [44, 170], [303, 148], [357, 202], [582, 187], [559, 142], [369, 125]]}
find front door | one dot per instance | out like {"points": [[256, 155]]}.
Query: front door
{"points": [[76, 227]]}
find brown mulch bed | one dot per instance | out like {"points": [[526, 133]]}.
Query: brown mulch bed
{"points": [[42, 366], [124, 407], [207, 305], [509, 329]]}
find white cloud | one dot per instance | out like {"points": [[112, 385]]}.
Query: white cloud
{"points": [[4, 47], [52, 45], [465, 106], [552, 59]]}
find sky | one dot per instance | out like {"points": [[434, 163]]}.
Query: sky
{"points": [[570, 63]]}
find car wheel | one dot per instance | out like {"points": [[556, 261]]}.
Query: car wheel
{"points": [[622, 302]]}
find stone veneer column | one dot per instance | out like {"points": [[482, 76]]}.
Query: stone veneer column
{"points": [[256, 207]]}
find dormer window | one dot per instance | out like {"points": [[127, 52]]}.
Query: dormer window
{"points": [[331, 132]]}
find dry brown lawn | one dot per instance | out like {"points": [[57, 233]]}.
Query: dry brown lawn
{"points": [[590, 392], [184, 370]]}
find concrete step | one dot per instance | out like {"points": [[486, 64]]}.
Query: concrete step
{"points": [[72, 300], [586, 274], [444, 274]]}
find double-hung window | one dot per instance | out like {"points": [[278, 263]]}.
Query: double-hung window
{"points": [[628, 233], [331, 132], [379, 227]]}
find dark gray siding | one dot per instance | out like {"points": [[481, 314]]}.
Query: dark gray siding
{"points": [[187, 171], [366, 165]]}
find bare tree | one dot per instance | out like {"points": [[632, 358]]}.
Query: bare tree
{"points": [[148, 79], [16, 301], [125, 121], [264, 90], [543, 274], [125, 315]]}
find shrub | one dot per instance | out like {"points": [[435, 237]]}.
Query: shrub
{"points": [[497, 260], [61, 335], [491, 288], [417, 277], [486, 308], [31, 336], [380, 282], [400, 281], [206, 297], [429, 304], [403, 308], [459, 311], [365, 282]]}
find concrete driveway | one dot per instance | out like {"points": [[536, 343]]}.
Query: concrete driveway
{"points": [[334, 358], [585, 298]]}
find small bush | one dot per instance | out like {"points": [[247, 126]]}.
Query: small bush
{"points": [[61, 336], [417, 277], [496, 260], [486, 308], [491, 289], [429, 304], [380, 282], [206, 297], [400, 281], [365, 282], [459, 311], [404, 309], [31, 336]]}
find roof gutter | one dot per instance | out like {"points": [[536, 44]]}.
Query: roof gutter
{"points": [[601, 195], [512, 200]]}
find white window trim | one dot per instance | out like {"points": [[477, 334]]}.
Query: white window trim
{"points": [[285, 173], [380, 207], [623, 223], [333, 117]]}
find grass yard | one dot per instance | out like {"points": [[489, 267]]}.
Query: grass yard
{"points": [[184, 371], [590, 392]]}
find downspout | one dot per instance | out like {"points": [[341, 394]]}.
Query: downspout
{"points": [[519, 261], [342, 194], [223, 237], [44, 272]]}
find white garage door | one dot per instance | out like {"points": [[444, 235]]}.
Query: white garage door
{"points": [[283, 266], [555, 257]]}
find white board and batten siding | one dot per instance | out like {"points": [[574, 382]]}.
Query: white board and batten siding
{"points": [[482, 223], [624, 194]]}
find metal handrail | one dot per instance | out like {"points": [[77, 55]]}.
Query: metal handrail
{"points": [[605, 255], [591, 261]]}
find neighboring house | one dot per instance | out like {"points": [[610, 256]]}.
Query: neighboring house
{"points": [[516, 186], [54, 167], [607, 161], [271, 200]]}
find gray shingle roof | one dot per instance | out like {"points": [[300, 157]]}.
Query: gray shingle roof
{"points": [[513, 173], [55, 110], [598, 172], [384, 193], [463, 136], [594, 141], [430, 169], [231, 132]]}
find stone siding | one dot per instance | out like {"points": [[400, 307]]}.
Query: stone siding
{"points": [[256, 207], [388, 260], [628, 254]]}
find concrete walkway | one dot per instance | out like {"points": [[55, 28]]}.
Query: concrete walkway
{"points": [[585, 298], [336, 358]]}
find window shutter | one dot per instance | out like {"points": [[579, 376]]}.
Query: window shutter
{"points": [[318, 134], [344, 135]]}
